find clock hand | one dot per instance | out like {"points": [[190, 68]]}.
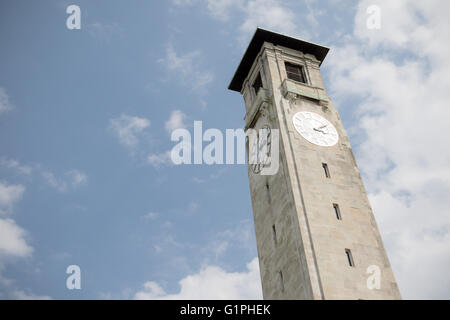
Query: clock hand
{"points": [[318, 130]]}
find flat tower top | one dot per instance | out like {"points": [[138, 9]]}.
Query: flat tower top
{"points": [[255, 45]]}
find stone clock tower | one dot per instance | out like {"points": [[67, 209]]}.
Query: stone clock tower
{"points": [[316, 234]]}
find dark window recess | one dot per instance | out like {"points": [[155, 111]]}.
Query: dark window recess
{"points": [[274, 231], [349, 257], [281, 281], [295, 72], [257, 84], [269, 199], [326, 171], [337, 211]]}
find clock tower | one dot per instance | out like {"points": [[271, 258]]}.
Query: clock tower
{"points": [[315, 230]]}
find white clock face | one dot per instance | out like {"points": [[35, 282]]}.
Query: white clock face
{"points": [[315, 129]]}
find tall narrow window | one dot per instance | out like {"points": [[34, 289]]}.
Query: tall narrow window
{"points": [[269, 199], [337, 211], [325, 170], [257, 84], [281, 281], [295, 72], [348, 253], [274, 232]]}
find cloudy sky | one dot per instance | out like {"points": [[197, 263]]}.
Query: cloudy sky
{"points": [[85, 123]]}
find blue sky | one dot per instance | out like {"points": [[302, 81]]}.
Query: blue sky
{"points": [[85, 122]]}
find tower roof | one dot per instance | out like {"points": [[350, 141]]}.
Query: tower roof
{"points": [[255, 45]]}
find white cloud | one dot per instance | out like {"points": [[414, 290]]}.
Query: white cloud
{"points": [[5, 105], [128, 128], [188, 69], [184, 2], [55, 183], [14, 164], [220, 9], [269, 14], [77, 178], [231, 240], [220, 248], [403, 119], [72, 179], [159, 159], [12, 239], [22, 295], [198, 180], [176, 121], [9, 194], [313, 11], [151, 216], [13, 244], [418, 240], [211, 282], [400, 21]]}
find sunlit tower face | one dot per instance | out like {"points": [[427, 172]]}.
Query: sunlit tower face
{"points": [[315, 231]]}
